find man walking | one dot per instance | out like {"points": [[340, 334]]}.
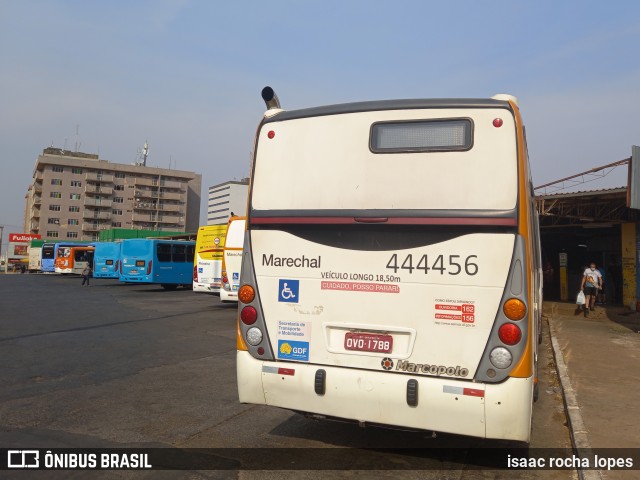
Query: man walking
{"points": [[86, 274], [591, 283]]}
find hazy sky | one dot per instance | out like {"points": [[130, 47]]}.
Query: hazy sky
{"points": [[108, 75]]}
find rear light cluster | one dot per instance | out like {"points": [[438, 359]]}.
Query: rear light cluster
{"points": [[510, 334], [149, 267], [252, 331], [195, 273], [249, 315], [225, 281]]}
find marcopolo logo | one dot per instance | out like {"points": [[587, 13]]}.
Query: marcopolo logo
{"points": [[386, 363], [438, 370]]}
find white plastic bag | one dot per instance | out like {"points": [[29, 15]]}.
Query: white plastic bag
{"points": [[580, 299]]}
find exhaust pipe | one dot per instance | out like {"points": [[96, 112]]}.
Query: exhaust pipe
{"points": [[270, 98]]}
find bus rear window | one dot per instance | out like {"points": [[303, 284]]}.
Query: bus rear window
{"points": [[422, 136]]}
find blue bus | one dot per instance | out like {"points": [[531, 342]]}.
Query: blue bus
{"points": [[166, 262], [49, 250], [106, 260], [48, 257]]}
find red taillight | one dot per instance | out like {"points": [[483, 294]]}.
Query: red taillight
{"points": [[271, 134], [149, 267], [498, 122], [195, 273], [509, 334], [117, 265], [248, 315], [225, 280]]}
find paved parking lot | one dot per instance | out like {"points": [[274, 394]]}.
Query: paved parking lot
{"points": [[119, 365]]}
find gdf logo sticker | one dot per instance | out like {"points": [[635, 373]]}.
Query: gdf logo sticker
{"points": [[293, 350]]}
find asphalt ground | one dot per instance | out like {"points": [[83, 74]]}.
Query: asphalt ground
{"points": [[135, 366]]}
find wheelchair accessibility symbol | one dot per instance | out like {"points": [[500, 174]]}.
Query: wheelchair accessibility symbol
{"points": [[288, 290]]}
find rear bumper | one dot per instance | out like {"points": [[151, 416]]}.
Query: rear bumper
{"points": [[134, 279], [105, 275], [205, 287], [227, 296], [501, 411]]}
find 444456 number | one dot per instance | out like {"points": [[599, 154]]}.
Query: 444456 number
{"points": [[454, 265]]}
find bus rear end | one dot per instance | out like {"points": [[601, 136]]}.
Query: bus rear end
{"points": [[207, 263], [386, 271], [232, 259], [106, 260], [137, 260], [48, 258]]}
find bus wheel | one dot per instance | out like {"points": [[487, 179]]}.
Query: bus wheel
{"points": [[168, 286]]}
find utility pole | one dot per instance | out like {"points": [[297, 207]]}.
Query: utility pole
{"points": [[1, 238]]}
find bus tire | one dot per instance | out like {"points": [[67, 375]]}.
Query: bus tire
{"points": [[169, 286]]}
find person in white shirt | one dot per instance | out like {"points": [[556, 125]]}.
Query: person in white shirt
{"points": [[591, 283]]}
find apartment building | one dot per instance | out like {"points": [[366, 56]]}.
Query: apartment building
{"points": [[75, 195], [227, 198]]}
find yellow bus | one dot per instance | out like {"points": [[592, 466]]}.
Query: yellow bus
{"points": [[207, 262], [391, 270]]}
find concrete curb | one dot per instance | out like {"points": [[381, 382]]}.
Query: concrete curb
{"points": [[579, 434]]}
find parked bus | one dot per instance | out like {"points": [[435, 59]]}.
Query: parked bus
{"points": [[391, 267], [48, 257], [166, 262], [232, 259], [49, 250], [207, 264], [106, 260], [73, 258], [35, 255]]}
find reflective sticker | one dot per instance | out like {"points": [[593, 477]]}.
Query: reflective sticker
{"points": [[469, 392], [278, 370]]}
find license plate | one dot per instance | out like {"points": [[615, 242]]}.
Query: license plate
{"points": [[133, 272], [368, 342]]}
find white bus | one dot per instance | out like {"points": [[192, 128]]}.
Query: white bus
{"points": [[391, 266], [207, 262], [232, 259]]}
